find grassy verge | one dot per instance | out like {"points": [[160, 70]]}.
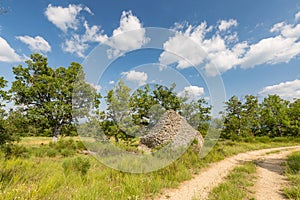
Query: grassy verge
{"points": [[62, 173], [293, 174], [236, 185]]}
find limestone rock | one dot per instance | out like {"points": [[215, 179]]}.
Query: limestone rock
{"points": [[171, 128]]}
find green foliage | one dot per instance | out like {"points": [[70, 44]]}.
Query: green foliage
{"points": [[197, 114], [273, 117], [5, 135], [78, 165], [294, 163], [118, 117], [232, 118], [47, 93], [51, 152], [167, 97], [14, 151], [141, 102], [64, 148], [130, 116], [294, 114], [263, 139]]}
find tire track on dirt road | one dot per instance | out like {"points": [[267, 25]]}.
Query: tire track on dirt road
{"points": [[210, 177]]}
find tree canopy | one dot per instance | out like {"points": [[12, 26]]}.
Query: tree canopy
{"points": [[45, 93]]}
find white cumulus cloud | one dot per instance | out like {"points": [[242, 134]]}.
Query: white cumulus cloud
{"points": [[37, 43], [191, 91], [7, 53], [287, 90], [225, 25], [128, 36], [185, 48], [281, 48], [65, 17], [138, 77], [191, 47], [271, 50], [78, 44], [220, 52]]}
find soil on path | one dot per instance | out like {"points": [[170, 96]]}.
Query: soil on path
{"points": [[270, 177], [208, 178]]}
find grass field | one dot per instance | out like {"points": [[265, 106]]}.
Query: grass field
{"points": [[293, 174], [39, 169]]}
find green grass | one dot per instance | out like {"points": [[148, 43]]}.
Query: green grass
{"points": [[44, 173], [237, 183], [293, 174]]}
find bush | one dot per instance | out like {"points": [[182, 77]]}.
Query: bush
{"points": [[67, 152], [51, 152], [11, 150], [263, 139], [65, 147], [249, 139], [281, 139], [63, 144], [80, 145], [78, 164]]}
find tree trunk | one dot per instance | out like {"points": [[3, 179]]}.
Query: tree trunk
{"points": [[56, 131]]}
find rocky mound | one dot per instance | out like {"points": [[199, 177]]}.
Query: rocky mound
{"points": [[171, 128]]}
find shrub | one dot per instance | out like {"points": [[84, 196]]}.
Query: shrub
{"points": [[249, 139], [263, 139], [11, 150], [78, 164], [51, 152], [281, 139], [63, 144], [67, 152], [80, 145]]}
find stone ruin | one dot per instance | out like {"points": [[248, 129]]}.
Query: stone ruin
{"points": [[171, 128]]}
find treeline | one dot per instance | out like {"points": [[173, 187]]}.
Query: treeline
{"points": [[44, 105], [273, 117]]}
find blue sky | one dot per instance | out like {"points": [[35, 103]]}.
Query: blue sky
{"points": [[252, 45]]}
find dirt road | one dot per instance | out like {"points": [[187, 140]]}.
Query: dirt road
{"points": [[201, 185]]}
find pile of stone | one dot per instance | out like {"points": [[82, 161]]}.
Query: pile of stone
{"points": [[171, 128]]}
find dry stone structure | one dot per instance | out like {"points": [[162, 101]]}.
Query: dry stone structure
{"points": [[171, 128]]}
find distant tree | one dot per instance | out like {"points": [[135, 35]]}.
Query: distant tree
{"points": [[46, 94], [118, 121], [250, 116], [142, 103], [294, 115], [197, 114], [167, 97], [4, 134], [232, 118], [18, 124], [274, 116]]}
